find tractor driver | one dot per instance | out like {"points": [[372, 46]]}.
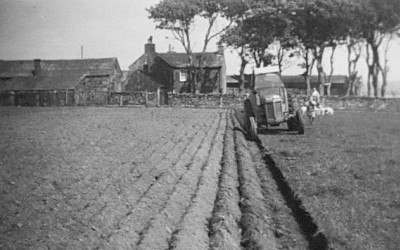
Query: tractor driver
{"points": [[313, 103], [315, 96]]}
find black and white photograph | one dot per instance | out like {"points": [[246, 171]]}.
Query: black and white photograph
{"points": [[200, 124]]}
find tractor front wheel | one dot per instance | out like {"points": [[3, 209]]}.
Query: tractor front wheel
{"points": [[250, 123], [252, 130]]}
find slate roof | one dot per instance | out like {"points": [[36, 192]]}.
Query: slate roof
{"points": [[297, 79], [55, 74], [232, 79], [180, 60], [291, 80], [16, 68], [40, 83]]}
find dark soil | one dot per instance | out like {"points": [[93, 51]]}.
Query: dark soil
{"points": [[344, 174], [138, 178]]}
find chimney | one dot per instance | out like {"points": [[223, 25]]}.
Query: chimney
{"points": [[149, 48], [150, 51], [37, 67]]}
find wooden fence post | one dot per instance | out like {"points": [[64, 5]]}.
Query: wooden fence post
{"points": [[12, 98], [158, 96], [37, 98], [55, 98], [66, 97]]}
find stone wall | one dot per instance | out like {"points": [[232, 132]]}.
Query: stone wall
{"points": [[358, 103], [236, 100], [205, 100], [133, 98], [37, 98]]}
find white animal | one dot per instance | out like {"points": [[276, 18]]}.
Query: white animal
{"points": [[328, 111]]}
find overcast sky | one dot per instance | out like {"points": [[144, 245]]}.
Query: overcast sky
{"points": [[56, 29]]}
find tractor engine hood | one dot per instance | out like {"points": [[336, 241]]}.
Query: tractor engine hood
{"points": [[272, 98]]}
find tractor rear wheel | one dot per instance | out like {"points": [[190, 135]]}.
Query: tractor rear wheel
{"points": [[291, 123]]}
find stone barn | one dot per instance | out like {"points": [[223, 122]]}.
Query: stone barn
{"points": [[59, 82], [296, 84]]}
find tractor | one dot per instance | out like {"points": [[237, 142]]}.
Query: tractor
{"points": [[269, 104]]}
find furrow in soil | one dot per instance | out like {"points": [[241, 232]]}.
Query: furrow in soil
{"points": [[224, 224], [256, 223], [193, 231], [181, 172], [130, 191]]}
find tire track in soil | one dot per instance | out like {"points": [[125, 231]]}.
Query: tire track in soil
{"points": [[316, 239], [224, 231], [192, 233], [284, 225], [312, 237], [135, 225]]}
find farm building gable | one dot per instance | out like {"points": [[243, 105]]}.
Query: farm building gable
{"points": [[139, 81]]}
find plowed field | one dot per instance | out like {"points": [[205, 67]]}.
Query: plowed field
{"points": [[137, 178]]}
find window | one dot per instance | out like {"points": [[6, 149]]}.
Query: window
{"points": [[182, 76]]}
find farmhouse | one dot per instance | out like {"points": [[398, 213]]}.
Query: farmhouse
{"points": [[58, 82], [170, 70]]}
